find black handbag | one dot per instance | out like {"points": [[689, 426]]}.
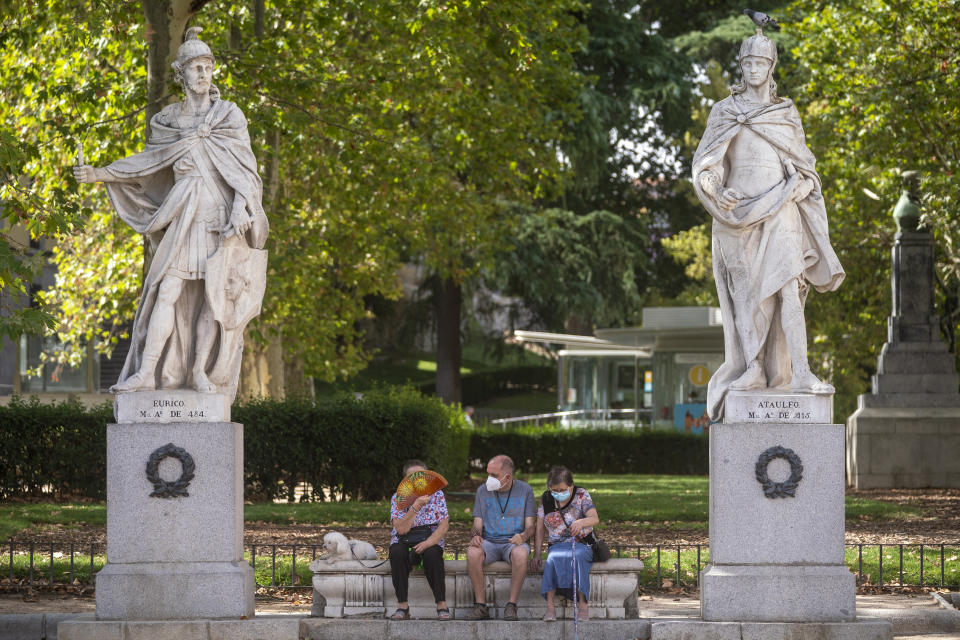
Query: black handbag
{"points": [[601, 550], [412, 538], [415, 535]]}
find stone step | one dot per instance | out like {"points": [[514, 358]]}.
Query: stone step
{"points": [[913, 330], [915, 383], [942, 401], [915, 620], [85, 627], [916, 362], [937, 346], [345, 629]]}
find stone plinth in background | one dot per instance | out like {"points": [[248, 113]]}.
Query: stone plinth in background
{"points": [[906, 432]]}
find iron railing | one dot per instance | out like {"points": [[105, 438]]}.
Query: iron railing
{"points": [[622, 417], [26, 565]]}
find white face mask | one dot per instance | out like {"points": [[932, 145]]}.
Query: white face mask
{"points": [[493, 484]]}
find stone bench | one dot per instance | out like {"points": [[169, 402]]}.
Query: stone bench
{"points": [[344, 589]]}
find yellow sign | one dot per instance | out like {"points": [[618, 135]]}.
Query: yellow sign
{"points": [[699, 375]]}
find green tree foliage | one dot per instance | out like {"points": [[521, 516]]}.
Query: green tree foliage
{"points": [[881, 94], [691, 248], [385, 130], [563, 263], [589, 257], [636, 94], [49, 78], [710, 38]]}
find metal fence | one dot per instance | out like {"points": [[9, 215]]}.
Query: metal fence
{"points": [[582, 417], [27, 565]]}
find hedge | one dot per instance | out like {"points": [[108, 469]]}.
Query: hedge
{"points": [[59, 448], [537, 449], [350, 447]]}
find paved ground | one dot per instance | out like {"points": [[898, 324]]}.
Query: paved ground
{"points": [[915, 616], [69, 603], [650, 606]]}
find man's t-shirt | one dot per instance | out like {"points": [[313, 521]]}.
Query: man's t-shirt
{"points": [[503, 511]]}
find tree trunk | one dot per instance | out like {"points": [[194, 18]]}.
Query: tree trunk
{"points": [[164, 24], [296, 382], [262, 370], [447, 303], [259, 15], [577, 324], [274, 370]]}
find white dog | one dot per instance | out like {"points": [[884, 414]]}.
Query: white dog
{"points": [[339, 548]]}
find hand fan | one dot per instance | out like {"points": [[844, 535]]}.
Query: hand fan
{"points": [[418, 483]]}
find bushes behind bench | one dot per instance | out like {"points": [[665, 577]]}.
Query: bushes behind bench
{"points": [[537, 449], [351, 445]]}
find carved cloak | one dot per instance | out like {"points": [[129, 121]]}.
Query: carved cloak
{"points": [[148, 198], [759, 318]]}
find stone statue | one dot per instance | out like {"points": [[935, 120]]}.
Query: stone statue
{"points": [[756, 177], [195, 193]]}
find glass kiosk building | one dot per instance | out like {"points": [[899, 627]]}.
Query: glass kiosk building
{"points": [[654, 375]]}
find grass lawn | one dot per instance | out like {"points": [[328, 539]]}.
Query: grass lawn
{"points": [[17, 516], [642, 500]]}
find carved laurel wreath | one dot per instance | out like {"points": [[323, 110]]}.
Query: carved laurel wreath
{"points": [[177, 488], [787, 488]]}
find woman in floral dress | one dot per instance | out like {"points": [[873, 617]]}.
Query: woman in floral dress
{"points": [[566, 511]]}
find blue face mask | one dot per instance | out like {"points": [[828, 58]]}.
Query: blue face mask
{"points": [[561, 497]]}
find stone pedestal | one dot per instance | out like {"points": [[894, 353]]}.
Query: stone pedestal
{"points": [[174, 514], [776, 527], [776, 548], [905, 432]]}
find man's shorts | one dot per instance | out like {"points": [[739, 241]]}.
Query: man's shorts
{"points": [[495, 551]]}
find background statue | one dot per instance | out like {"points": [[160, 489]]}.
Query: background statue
{"points": [[195, 193], [756, 177]]}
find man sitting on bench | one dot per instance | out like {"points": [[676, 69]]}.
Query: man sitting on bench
{"points": [[504, 515]]}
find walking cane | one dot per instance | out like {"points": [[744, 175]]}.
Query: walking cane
{"points": [[576, 600]]}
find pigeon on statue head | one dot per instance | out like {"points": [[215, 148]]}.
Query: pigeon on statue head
{"points": [[762, 20]]}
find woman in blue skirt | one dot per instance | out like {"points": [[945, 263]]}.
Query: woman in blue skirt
{"points": [[566, 512]]}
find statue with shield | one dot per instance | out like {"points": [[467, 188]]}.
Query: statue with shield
{"points": [[195, 193]]}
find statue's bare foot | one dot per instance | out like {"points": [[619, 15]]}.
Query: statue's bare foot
{"points": [[202, 383], [752, 378], [806, 381], [137, 382]]}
